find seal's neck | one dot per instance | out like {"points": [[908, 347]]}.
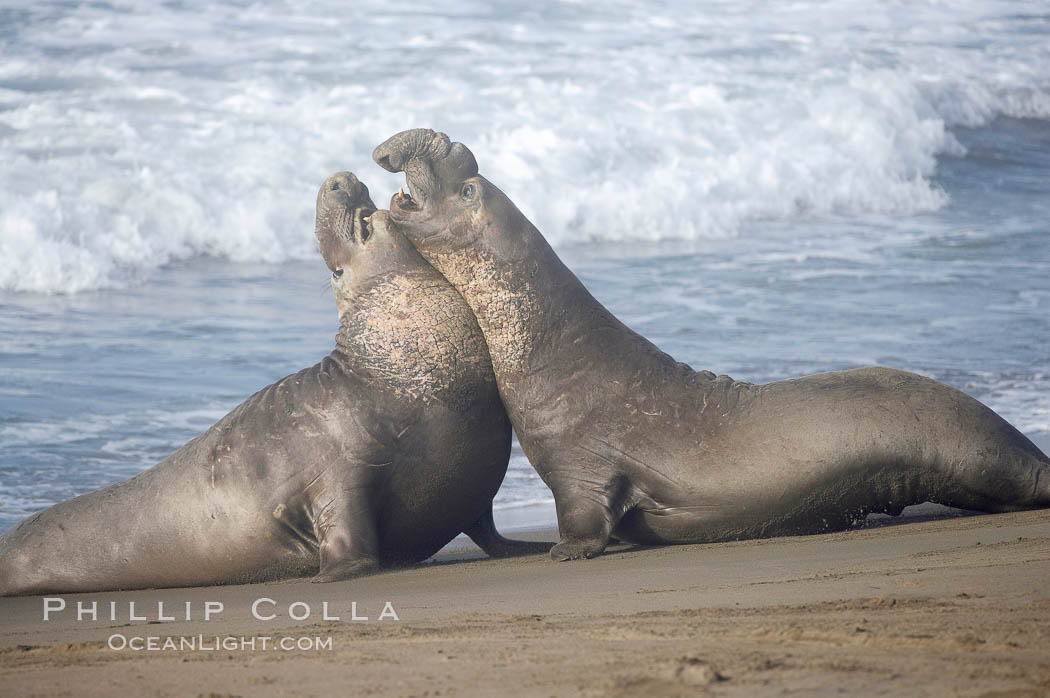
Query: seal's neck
{"points": [[410, 333], [545, 332]]}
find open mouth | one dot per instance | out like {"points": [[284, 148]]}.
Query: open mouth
{"points": [[360, 227], [403, 201]]}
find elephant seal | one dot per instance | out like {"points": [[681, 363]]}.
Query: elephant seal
{"points": [[382, 453], [641, 447]]}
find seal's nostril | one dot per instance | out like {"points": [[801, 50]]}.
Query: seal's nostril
{"points": [[384, 162]]}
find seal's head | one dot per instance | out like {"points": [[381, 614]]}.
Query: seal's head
{"points": [[357, 242], [343, 205], [400, 321], [449, 206], [475, 236]]}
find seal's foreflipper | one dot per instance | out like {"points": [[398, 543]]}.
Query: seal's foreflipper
{"points": [[348, 568], [347, 536], [484, 533]]}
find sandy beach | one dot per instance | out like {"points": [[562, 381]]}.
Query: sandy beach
{"points": [[956, 606]]}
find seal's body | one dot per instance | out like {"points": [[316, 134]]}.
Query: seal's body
{"points": [[637, 445], [382, 453]]}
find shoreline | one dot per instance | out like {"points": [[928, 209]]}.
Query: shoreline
{"points": [[948, 606]]}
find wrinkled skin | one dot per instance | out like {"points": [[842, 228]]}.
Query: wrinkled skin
{"points": [[380, 454], [639, 446]]}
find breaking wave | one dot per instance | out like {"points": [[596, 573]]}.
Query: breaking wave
{"points": [[136, 135]]}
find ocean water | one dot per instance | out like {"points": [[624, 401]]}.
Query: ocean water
{"points": [[763, 189]]}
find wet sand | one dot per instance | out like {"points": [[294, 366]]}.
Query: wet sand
{"points": [[955, 606]]}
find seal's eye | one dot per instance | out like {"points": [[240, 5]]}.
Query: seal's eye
{"points": [[337, 273], [468, 191]]}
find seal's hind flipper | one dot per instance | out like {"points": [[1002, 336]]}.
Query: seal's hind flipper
{"points": [[484, 533]]}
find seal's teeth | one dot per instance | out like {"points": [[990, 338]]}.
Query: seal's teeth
{"points": [[401, 191]]}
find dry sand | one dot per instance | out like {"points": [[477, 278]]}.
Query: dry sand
{"points": [[948, 607]]}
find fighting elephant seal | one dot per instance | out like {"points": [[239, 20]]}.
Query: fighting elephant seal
{"points": [[382, 453], [637, 445]]}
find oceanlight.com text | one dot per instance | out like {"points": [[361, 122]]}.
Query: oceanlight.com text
{"points": [[218, 643]]}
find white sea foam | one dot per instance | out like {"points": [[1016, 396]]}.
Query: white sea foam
{"points": [[151, 429], [135, 134], [32, 434]]}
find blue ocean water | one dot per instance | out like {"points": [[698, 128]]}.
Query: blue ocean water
{"points": [[763, 189]]}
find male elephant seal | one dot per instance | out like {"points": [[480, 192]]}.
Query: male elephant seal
{"points": [[382, 453], [636, 445]]}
